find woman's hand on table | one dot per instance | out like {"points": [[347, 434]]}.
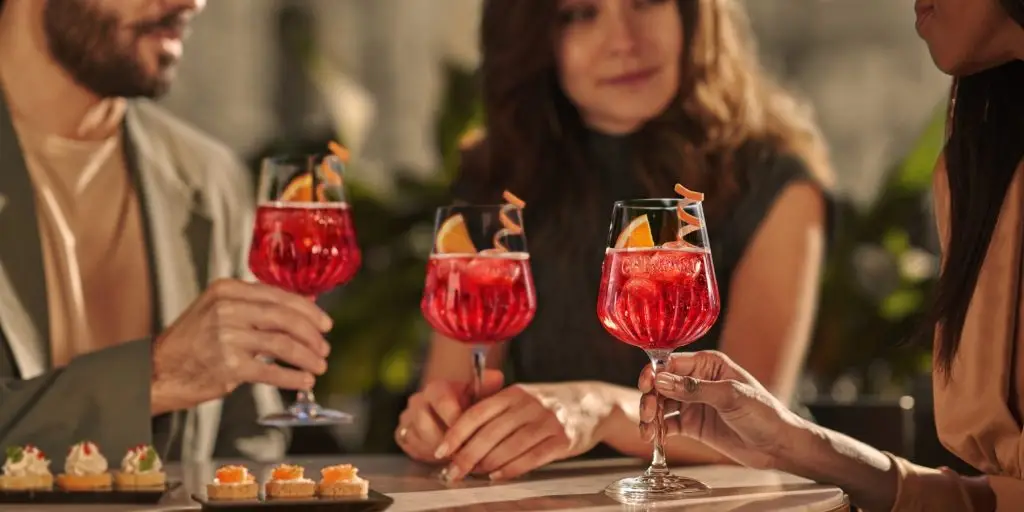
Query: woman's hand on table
{"points": [[433, 410], [711, 399], [524, 427]]}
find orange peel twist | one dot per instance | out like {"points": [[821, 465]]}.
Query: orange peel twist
{"points": [[690, 222], [339, 151], [509, 226]]}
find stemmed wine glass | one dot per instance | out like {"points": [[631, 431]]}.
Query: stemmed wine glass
{"points": [[658, 293], [304, 242], [479, 297]]}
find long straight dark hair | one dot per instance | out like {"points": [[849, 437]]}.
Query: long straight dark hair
{"points": [[984, 148]]}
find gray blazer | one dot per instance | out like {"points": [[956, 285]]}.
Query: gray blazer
{"points": [[197, 204]]}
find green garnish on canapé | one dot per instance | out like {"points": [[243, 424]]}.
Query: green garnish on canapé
{"points": [[15, 453], [147, 459]]}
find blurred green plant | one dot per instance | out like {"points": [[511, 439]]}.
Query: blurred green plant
{"points": [[880, 273], [396, 237]]}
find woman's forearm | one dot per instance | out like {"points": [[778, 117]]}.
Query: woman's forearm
{"points": [[620, 430], [823, 455]]}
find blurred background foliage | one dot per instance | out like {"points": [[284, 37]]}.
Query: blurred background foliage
{"points": [[881, 268]]}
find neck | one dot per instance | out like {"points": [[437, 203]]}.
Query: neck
{"points": [[611, 127], [38, 90]]}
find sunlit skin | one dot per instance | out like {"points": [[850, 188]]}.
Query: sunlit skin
{"points": [[619, 60], [967, 36]]}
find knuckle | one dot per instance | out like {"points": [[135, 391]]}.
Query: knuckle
{"points": [[233, 363], [222, 310], [220, 288], [715, 354], [416, 400]]}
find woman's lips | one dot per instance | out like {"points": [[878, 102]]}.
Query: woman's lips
{"points": [[632, 78]]}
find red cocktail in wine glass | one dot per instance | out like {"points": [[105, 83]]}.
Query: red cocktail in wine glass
{"points": [[658, 293], [304, 242], [479, 297]]}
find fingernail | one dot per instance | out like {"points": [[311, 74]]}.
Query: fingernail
{"points": [[690, 384], [322, 367], [442, 451], [497, 475], [309, 381], [325, 349], [326, 323], [452, 473], [666, 381]]}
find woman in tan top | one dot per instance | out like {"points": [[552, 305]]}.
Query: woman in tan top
{"points": [[979, 345]]}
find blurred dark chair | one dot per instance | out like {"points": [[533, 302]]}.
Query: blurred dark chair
{"points": [[885, 424]]}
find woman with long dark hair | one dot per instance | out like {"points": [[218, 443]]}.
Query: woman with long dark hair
{"points": [[977, 313], [592, 101]]}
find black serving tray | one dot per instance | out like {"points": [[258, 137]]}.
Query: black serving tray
{"points": [[373, 502], [61, 497]]}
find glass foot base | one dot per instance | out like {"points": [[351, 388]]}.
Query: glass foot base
{"points": [[306, 414], [646, 488]]}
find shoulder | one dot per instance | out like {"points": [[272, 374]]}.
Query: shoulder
{"points": [[761, 167], [201, 160], [766, 176], [773, 182]]}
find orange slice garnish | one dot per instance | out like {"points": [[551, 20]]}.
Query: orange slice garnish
{"points": [[233, 475], [301, 189], [509, 226], [287, 472], [339, 473], [453, 237], [637, 234]]}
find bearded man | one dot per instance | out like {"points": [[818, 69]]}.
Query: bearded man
{"points": [[123, 316]]}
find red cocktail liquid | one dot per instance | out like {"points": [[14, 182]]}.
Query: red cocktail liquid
{"points": [[305, 248], [479, 299], [658, 299]]}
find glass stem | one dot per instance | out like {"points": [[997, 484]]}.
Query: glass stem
{"points": [[659, 467], [306, 397], [479, 365]]}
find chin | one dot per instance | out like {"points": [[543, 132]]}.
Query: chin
{"points": [[956, 65]]}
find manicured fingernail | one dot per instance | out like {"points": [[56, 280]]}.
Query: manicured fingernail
{"points": [[497, 475], [442, 451], [666, 381], [452, 473]]}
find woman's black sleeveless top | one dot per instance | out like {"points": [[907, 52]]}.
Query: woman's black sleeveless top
{"points": [[565, 341]]}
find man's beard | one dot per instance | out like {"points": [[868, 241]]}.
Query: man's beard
{"points": [[85, 42]]}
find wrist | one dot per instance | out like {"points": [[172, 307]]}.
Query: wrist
{"points": [[799, 440], [819, 454], [161, 399]]}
